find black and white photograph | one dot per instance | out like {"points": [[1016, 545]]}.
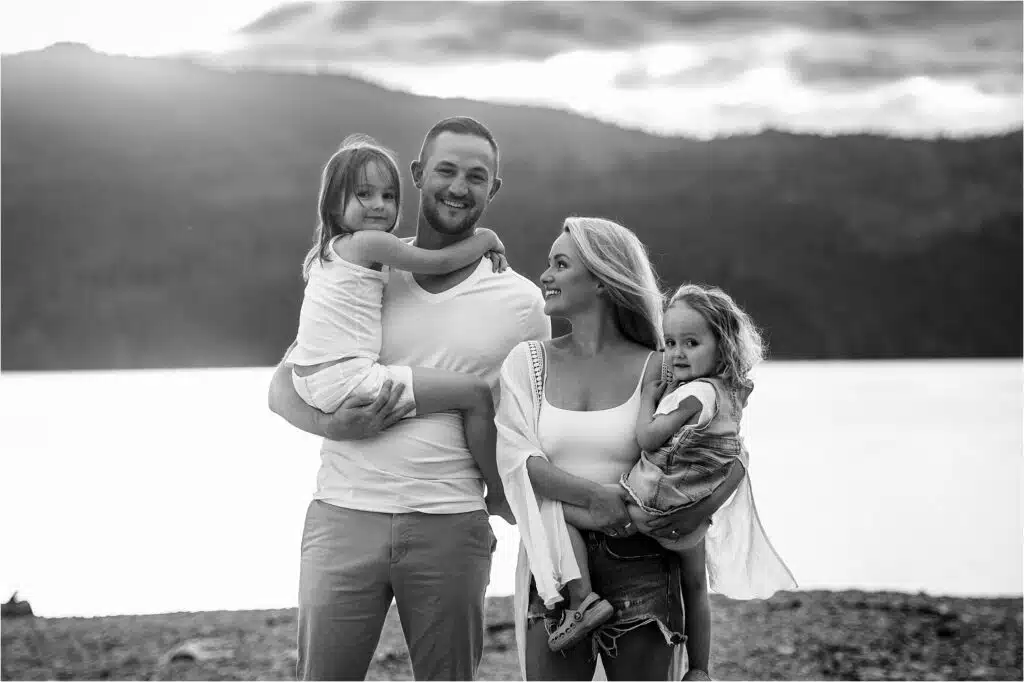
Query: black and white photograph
{"points": [[511, 340]]}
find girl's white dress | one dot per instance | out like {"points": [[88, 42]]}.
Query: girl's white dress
{"points": [[340, 319]]}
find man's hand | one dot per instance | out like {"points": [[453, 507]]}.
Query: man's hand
{"points": [[358, 418]]}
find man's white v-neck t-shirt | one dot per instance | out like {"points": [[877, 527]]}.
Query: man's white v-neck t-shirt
{"points": [[422, 464]]}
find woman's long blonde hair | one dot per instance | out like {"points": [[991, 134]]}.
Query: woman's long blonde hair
{"points": [[618, 259]]}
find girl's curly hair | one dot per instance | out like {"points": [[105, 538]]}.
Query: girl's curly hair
{"points": [[740, 346]]}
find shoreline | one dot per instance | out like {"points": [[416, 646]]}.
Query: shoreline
{"points": [[850, 634], [894, 594]]}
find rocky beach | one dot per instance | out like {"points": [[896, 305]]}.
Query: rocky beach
{"points": [[813, 635]]}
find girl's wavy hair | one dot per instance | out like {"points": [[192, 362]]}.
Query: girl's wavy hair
{"points": [[740, 346], [345, 170], [618, 259]]}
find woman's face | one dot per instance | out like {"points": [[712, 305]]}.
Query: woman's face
{"points": [[568, 286]]}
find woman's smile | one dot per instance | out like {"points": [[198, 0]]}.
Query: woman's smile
{"points": [[567, 285]]}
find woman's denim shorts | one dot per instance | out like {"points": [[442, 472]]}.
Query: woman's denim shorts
{"points": [[638, 577]]}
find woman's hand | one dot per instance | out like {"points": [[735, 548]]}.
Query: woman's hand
{"points": [[607, 508]]}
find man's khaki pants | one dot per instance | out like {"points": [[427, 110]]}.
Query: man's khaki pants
{"points": [[436, 566]]}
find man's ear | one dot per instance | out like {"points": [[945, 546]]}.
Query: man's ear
{"points": [[494, 188], [417, 173]]}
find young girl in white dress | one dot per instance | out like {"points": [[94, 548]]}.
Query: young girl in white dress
{"points": [[337, 349]]}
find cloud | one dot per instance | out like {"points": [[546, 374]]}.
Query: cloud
{"points": [[278, 18], [848, 60], [674, 67], [858, 42], [715, 68], [543, 29]]}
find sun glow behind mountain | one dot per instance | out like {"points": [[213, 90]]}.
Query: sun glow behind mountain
{"points": [[141, 28]]}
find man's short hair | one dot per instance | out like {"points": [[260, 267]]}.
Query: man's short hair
{"points": [[460, 125]]}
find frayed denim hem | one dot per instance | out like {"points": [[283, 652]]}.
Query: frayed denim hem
{"points": [[604, 640]]}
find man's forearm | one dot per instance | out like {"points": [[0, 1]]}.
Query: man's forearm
{"points": [[286, 403]]}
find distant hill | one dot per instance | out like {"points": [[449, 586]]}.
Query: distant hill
{"points": [[155, 213]]}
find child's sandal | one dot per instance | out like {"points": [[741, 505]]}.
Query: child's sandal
{"points": [[576, 624]]}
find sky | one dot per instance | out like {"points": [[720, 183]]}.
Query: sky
{"points": [[914, 69], [134, 27]]}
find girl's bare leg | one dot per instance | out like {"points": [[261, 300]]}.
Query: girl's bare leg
{"points": [[441, 391], [580, 588], [696, 607]]}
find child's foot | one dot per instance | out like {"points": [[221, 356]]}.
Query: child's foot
{"points": [[697, 674], [577, 623]]}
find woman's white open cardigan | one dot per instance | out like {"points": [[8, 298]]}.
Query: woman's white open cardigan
{"points": [[742, 564], [544, 539]]}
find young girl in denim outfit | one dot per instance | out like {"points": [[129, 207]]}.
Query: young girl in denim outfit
{"points": [[688, 429], [689, 433]]}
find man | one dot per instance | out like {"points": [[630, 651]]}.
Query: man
{"points": [[399, 509]]}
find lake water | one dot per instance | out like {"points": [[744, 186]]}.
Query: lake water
{"points": [[155, 491]]}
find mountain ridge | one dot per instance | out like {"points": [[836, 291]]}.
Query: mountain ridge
{"points": [[194, 196]]}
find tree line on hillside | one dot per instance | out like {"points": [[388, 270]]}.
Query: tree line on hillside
{"points": [[155, 214]]}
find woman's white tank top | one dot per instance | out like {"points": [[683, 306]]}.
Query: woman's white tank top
{"points": [[598, 445]]}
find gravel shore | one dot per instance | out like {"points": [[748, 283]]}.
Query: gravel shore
{"points": [[818, 635]]}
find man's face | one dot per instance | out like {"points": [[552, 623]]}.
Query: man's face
{"points": [[456, 180]]}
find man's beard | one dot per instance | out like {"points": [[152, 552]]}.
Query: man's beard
{"points": [[433, 216]]}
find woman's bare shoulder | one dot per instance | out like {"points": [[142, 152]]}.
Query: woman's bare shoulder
{"points": [[636, 350], [639, 354]]}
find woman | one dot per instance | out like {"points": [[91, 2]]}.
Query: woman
{"points": [[566, 433]]}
